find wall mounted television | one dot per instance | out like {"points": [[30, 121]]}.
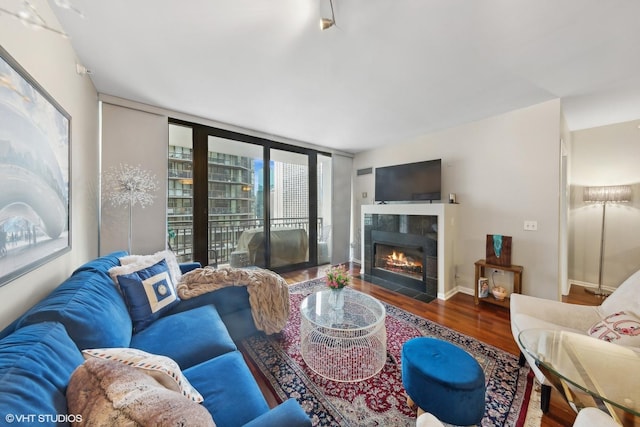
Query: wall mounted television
{"points": [[420, 181]]}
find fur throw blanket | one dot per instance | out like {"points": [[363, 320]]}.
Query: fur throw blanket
{"points": [[268, 292], [108, 393]]}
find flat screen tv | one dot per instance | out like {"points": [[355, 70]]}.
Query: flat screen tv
{"points": [[420, 181]]}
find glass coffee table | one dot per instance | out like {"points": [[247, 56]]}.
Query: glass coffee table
{"points": [[588, 371], [345, 344]]}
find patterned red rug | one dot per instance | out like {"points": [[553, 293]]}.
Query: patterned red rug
{"points": [[381, 400]]}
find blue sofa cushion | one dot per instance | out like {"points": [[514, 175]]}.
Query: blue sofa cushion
{"points": [[195, 336], [148, 291], [102, 264], [226, 300], [230, 392], [90, 307], [289, 413], [233, 306], [36, 363]]}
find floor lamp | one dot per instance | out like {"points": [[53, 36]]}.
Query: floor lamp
{"points": [[604, 195]]}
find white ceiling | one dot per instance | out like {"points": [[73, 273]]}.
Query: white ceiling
{"points": [[389, 71]]}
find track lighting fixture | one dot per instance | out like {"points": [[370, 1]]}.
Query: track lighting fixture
{"points": [[31, 18], [326, 22]]}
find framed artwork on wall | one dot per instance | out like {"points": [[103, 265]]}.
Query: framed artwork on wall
{"points": [[498, 250], [35, 171]]}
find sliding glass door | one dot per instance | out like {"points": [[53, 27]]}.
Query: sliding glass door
{"points": [[239, 200], [290, 209], [234, 202]]}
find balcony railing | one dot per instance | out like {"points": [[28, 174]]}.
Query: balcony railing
{"points": [[224, 235], [180, 156], [229, 178], [180, 174]]}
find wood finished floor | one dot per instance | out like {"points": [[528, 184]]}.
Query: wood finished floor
{"points": [[486, 322]]}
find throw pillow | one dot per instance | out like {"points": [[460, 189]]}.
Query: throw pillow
{"points": [[164, 369], [107, 393], [147, 260], [619, 328], [148, 291]]}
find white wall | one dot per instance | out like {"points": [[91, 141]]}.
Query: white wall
{"points": [[504, 170], [136, 138], [51, 61], [606, 155], [340, 208]]}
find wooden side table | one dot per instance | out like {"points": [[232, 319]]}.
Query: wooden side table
{"points": [[482, 266]]}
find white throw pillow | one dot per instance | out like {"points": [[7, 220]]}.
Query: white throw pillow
{"points": [[147, 260], [625, 298], [619, 328], [164, 369]]}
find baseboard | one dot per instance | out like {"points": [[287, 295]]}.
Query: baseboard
{"points": [[461, 289], [471, 291], [590, 285]]}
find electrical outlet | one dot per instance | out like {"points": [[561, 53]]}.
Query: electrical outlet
{"points": [[496, 271], [531, 225]]}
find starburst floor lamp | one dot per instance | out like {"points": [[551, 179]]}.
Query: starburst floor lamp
{"points": [[130, 185], [604, 195]]}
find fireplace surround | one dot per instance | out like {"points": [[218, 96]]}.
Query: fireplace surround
{"points": [[422, 236]]}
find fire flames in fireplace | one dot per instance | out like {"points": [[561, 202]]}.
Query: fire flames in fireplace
{"points": [[393, 259], [399, 260]]}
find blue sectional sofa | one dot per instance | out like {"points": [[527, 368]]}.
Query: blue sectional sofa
{"points": [[40, 350]]}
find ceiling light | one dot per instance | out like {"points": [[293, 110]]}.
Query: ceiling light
{"points": [[326, 22], [29, 16], [66, 4]]}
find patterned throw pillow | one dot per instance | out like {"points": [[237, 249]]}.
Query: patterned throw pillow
{"points": [[618, 328], [164, 369], [148, 291], [147, 260]]}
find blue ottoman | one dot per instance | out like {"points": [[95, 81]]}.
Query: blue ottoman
{"points": [[444, 380]]}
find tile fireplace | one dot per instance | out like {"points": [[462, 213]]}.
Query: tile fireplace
{"points": [[408, 248]]}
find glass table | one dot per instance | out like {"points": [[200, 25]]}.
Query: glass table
{"points": [[588, 371], [344, 342]]}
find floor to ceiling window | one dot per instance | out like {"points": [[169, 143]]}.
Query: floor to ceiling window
{"points": [[180, 192], [238, 200]]}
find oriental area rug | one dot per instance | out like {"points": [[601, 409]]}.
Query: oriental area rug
{"points": [[381, 400]]}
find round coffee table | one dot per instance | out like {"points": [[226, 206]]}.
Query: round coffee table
{"points": [[347, 344]]}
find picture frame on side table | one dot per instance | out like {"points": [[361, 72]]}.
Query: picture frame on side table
{"points": [[483, 287], [35, 171]]}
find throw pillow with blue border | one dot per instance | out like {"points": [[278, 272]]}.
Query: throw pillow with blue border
{"points": [[148, 292]]}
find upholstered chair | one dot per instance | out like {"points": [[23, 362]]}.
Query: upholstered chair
{"points": [[623, 306]]}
